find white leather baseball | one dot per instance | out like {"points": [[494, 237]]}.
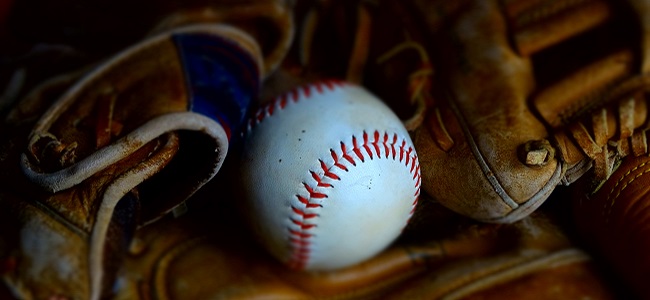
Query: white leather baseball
{"points": [[331, 176]]}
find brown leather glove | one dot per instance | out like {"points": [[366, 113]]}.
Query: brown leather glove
{"points": [[515, 84], [126, 144], [613, 223]]}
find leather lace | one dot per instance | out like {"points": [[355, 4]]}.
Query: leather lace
{"points": [[615, 129]]}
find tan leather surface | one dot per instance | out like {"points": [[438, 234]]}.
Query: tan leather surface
{"points": [[487, 84]]}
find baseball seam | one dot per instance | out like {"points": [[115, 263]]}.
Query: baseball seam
{"points": [[300, 239], [294, 96]]}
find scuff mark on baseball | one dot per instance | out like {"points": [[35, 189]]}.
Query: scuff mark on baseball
{"points": [[331, 176]]}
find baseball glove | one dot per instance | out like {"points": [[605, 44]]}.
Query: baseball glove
{"points": [[521, 107], [125, 144]]}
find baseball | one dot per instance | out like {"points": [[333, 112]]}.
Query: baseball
{"points": [[331, 176]]}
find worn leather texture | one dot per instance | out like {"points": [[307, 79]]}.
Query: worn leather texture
{"points": [[529, 118], [613, 222], [513, 77]]}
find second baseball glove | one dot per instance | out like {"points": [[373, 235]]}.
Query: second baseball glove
{"points": [[124, 145]]}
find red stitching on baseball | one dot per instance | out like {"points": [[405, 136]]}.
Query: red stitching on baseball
{"points": [[283, 102], [303, 253], [294, 95], [319, 88], [408, 155], [356, 150], [346, 156], [386, 149], [303, 226], [336, 161], [415, 204], [326, 171], [365, 145], [319, 181], [307, 91], [300, 234], [313, 194], [375, 144], [303, 214], [270, 109], [300, 240], [306, 202], [260, 115]]}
